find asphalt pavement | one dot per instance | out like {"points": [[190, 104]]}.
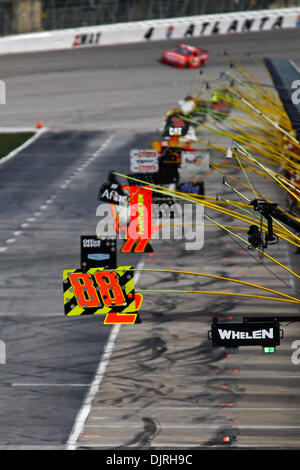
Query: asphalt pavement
{"points": [[49, 199]]}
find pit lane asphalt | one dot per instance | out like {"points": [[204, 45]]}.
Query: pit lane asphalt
{"points": [[49, 198], [50, 359]]}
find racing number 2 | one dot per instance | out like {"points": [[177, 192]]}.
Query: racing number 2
{"points": [[110, 291]]}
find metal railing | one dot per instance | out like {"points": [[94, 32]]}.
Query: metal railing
{"points": [[17, 16]]}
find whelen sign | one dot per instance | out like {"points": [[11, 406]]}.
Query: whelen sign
{"points": [[233, 335]]}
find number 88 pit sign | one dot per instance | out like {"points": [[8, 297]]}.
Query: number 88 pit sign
{"points": [[102, 291]]}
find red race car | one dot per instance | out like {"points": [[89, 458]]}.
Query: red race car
{"points": [[185, 56]]}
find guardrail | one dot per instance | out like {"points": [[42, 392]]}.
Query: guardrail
{"points": [[154, 30]]}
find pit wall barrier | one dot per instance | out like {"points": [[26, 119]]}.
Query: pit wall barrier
{"points": [[154, 30]]}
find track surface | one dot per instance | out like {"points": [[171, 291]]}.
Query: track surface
{"points": [[119, 87], [48, 199]]}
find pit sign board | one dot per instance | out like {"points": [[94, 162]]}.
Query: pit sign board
{"points": [[233, 335], [143, 161], [96, 252], [102, 291]]}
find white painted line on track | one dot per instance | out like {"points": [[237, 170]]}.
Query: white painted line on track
{"points": [[31, 314], [94, 388], [14, 130], [16, 384], [234, 376], [190, 426], [86, 408], [200, 408], [196, 446]]}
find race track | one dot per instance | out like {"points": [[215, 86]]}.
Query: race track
{"points": [[163, 386]]}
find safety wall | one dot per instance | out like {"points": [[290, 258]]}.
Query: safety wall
{"points": [[154, 30]]}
